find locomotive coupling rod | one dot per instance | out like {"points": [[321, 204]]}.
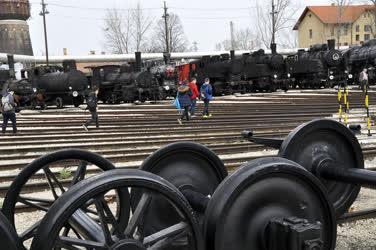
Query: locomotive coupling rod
{"points": [[327, 170], [269, 142]]}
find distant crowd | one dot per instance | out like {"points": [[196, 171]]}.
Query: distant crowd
{"points": [[187, 96]]}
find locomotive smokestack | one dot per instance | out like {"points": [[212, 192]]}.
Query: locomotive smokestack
{"points": [[273, 47], [12, 72], [232, 54], [138, 65], [331, 44], [69, 65]]}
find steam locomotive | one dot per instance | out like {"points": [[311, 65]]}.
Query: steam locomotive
{"points": [[320, 66], [48, 85], [131, 82]]}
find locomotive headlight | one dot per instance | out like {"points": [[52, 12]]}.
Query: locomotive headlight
{"points": [[275, 76], [331, 72], [75, 93], [350, 76], [167, 88], [70, 88], [34, 90], [331, 77], [288, 75]]}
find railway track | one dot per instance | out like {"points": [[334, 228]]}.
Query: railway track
{"points": [[129, 133]]}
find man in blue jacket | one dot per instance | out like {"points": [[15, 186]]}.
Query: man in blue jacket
{"points": [[206, 92]]}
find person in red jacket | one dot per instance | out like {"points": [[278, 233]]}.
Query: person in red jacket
{"points": [[195, 94]]}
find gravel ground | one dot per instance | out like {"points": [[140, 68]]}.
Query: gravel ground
{"points": [[360, 234]]}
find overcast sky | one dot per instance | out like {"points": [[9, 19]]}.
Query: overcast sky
{"points": [[78, 24]]}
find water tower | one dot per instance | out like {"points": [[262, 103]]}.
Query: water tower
{"points": [[14, 30]]}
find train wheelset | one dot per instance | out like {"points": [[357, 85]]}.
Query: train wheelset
{"points": [[183, 198]]}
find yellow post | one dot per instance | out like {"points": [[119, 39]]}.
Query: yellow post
{"points": [[366, 102], [340, 103], [345, 103]]}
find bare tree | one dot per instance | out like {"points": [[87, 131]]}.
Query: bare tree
{"points": [[243, 39], [284, 11], [141, 25], [178, 41], [117, 31], [246, 40], [341, 7]]}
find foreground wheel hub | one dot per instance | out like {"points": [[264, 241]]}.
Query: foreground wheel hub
{"points": [[128, 244]]}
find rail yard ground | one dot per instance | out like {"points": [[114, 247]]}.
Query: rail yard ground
{"points": [[128, 133]]}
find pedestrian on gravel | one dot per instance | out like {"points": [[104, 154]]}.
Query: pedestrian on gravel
{"points": [[184, 97], [195, 95], [206, 92], [92, 106], [8, 108], [363, 79]]}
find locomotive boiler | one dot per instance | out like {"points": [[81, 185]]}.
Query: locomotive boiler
{"points": [[60, 85], [126, 83], [362, 57], [320, 66]]}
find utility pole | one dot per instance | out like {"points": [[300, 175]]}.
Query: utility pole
{"points": [[195, 46], [273, 21], [43, 13], [232, 36], [165, 16]]}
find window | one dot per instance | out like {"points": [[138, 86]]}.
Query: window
{"points": [[367, 28], [332, 31], [367, 37], [310, 15], [357, 37], [357, 28], [346, 44], [310, 34], [345, 30]]}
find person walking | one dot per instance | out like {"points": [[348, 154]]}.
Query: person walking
{"points": [[8, 108], [363, 79], [92, 106], [195, 94], [184, 97], [206, 92]]}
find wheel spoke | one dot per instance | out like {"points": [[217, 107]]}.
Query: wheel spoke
{"points": [[138, 214], [30, 232], [112, 220], [174, 230], [40, 200], [80, 173], [31, 204], [52, 178], [103, 220], [164, 243], [70, 243]]}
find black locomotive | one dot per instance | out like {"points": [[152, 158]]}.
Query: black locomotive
{"points": [[127, 83], [320, 66], [49, 85]]}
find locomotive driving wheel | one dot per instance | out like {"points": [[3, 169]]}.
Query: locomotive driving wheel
{"points": [[101, 231], [55, 173]]}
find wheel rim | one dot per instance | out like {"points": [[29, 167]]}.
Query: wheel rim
{"points": [[259, 191], [186, 165], [20, 191], [182, 235]]}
